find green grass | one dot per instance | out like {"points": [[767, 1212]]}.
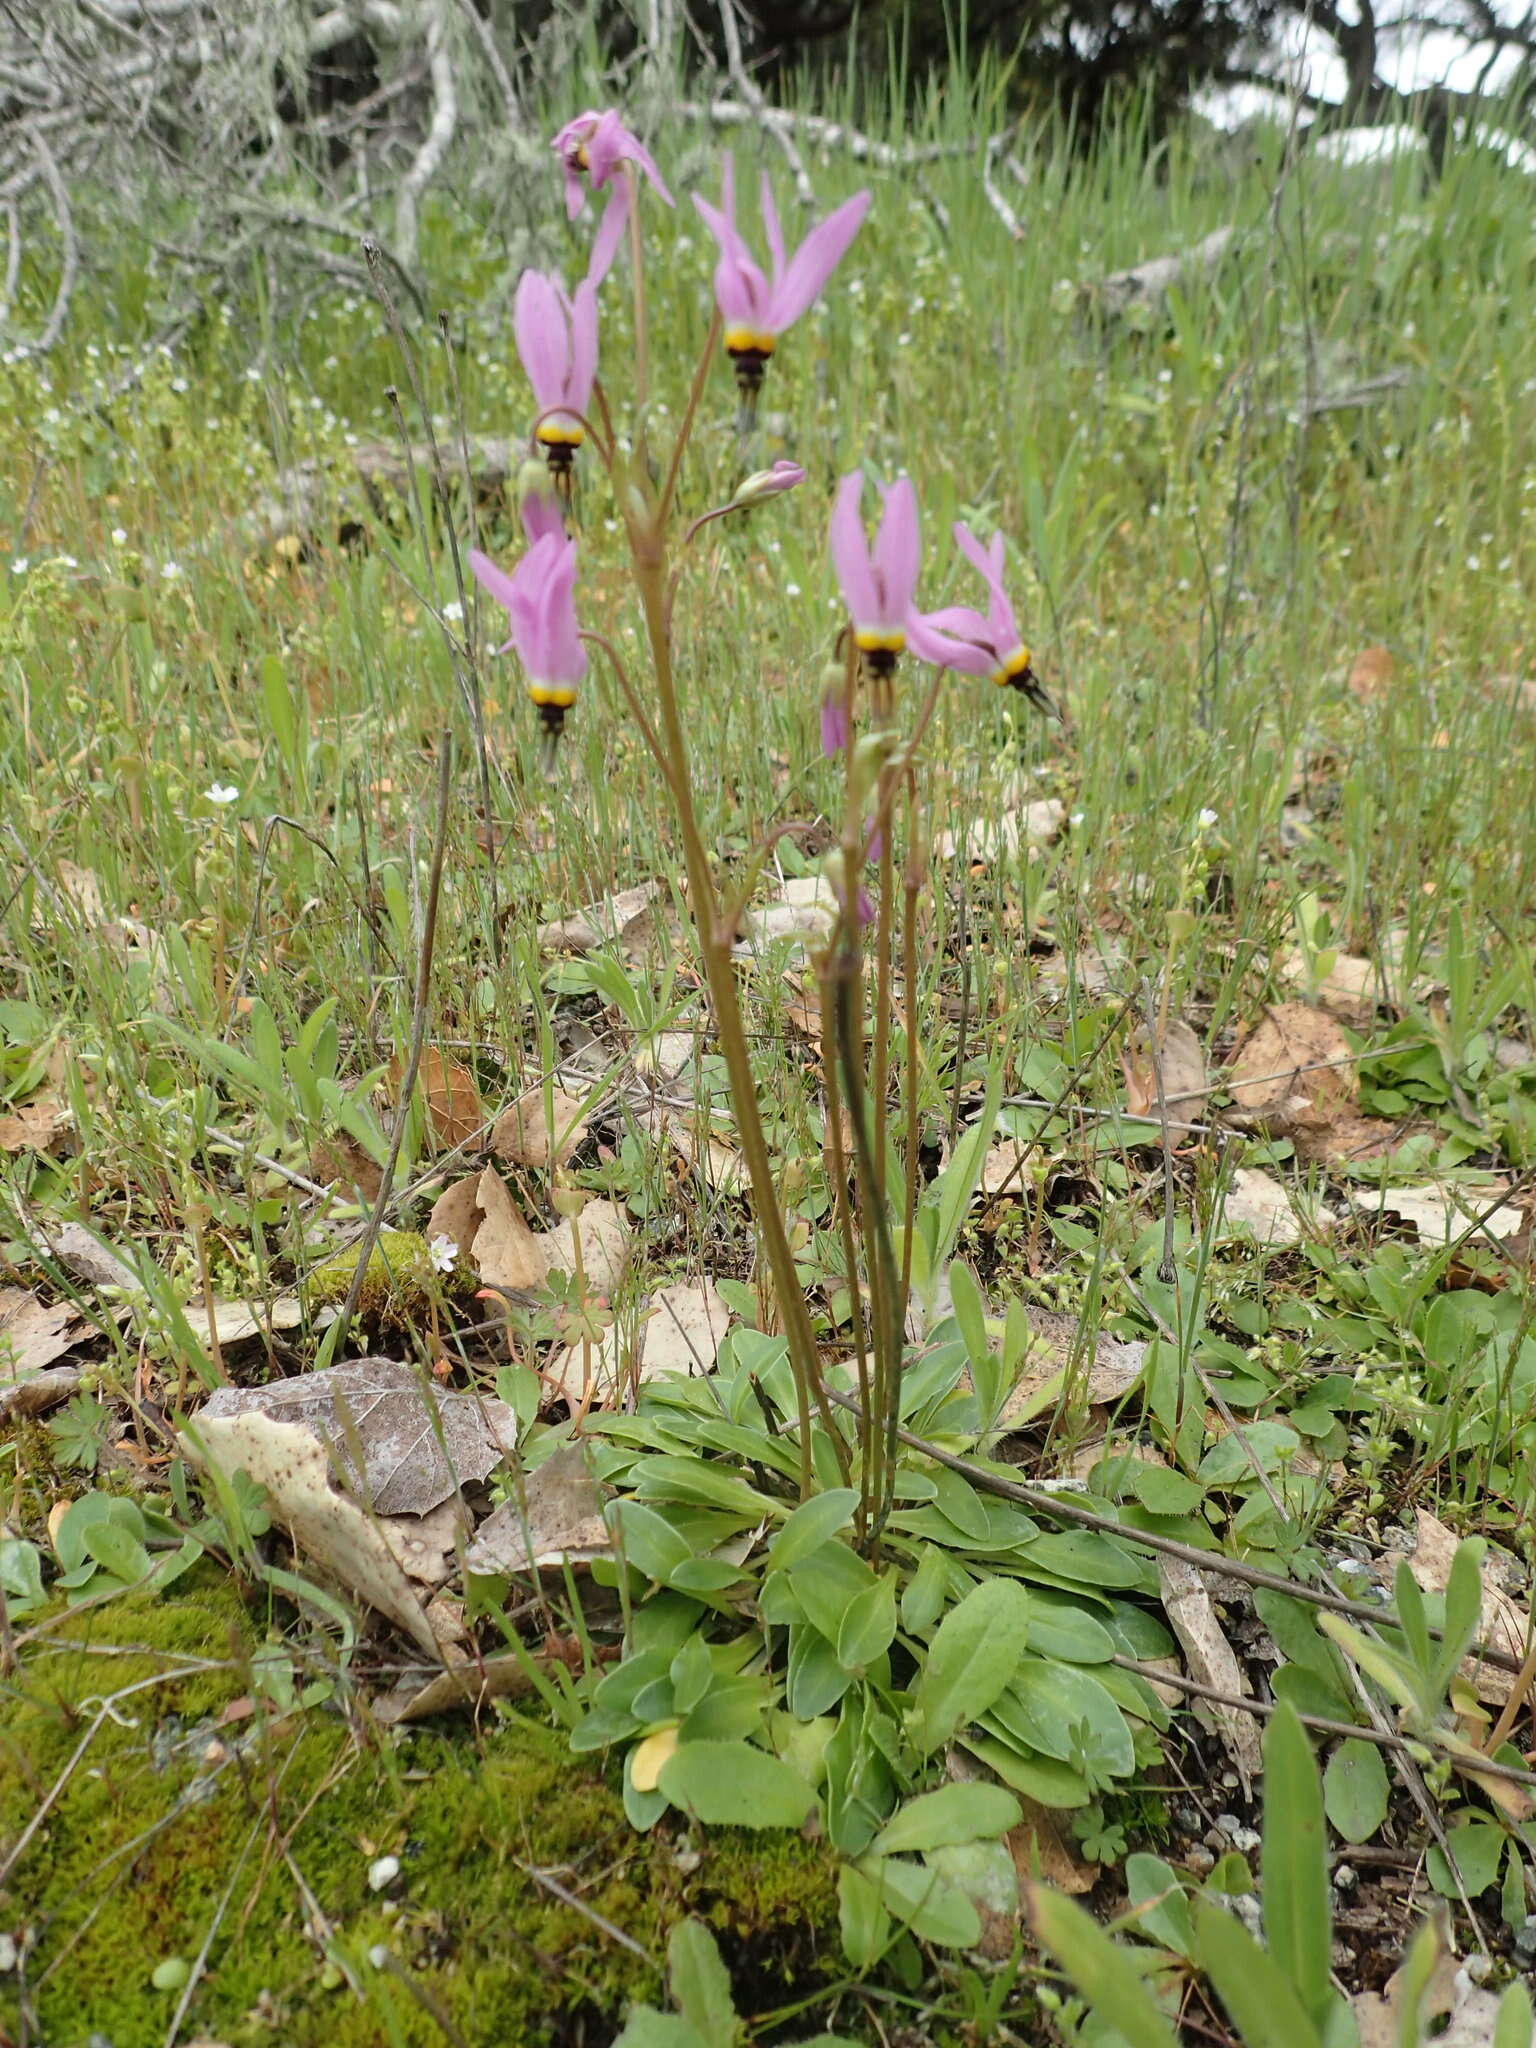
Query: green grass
{"points": [[1199, 559]]}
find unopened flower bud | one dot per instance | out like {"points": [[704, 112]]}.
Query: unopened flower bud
{"points": [[767, 483], [871, 754]]}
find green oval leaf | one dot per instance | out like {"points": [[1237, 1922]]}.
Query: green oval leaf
{"points": [[1355, 1790], [975, 1651], [955, 1813], [734, 1784], [810, 1525]]}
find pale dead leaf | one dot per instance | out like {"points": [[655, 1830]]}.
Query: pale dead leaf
{"points": [[648, 1756], [1371, 673], [1257, 1205], [37, 1125], [457, 1215], [1211, 1661], [340, 1161], [470, 1684], [1504, 1624], [423, 1545], [665, 1054], [1178, 1063], [33, 1335], [1101, 1380], [1350, 990], [558, 1519], [611, 918], [721, 1168], [505, 1252], [401, 1443], [233, 1322], [1440, 1215], [603, 1233], [1042, 1848], [804, 908], [1349, 1140], [524, 1135], [1032, 824], [39, 1392], [1294, 1071], [80, 1252], [1005, 1168], [81, 891], [452, 1097], [681, 1332], [293, 1466]]}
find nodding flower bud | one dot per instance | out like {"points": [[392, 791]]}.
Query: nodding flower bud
{"points": [[835, 868], [870, 755], [538, 501], [767, 483]]}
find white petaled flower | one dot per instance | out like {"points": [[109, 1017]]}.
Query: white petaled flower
{"points": [[119, 536], [453, 612], [169, 571], [19, 565], [443, 1253], [221, 793], [1206, 820]]}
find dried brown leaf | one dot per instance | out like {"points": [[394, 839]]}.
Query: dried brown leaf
{"points": [[37, 1125], [1211, 1661], [524, 1134], [624, 917], [505, 1252], [294, 1468], [457, 1215], [601, 1236], [340, 1161], [1099, 1381], [1177, 1063], [1042, 1848], [1371, 674], [1294, 1071], [453, 1099], [1439, 1215], [1504, 1624], [401, 1444], [33, 1334], [558, 1518], [1259, 1206]]}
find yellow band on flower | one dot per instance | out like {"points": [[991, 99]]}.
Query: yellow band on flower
{"points": [[559, 696], [747, 341], [1014, 669], [880, 643], [560, 434]]}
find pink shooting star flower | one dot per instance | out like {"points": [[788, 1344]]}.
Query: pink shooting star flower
{"points": [[556, 335], [593, 149], [994, 638], [757, 309], [878, 585], [539, 599]]}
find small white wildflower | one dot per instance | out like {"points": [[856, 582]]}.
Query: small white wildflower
{"points": [[1206, 820], [221, 793], [180, 384], [453, 612], [19, 565], [442, 1251], [791, 590], [169, 571], [1076, 819], [119, 536]]}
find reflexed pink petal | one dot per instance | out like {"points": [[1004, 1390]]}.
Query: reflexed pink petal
{"points": [[898, 550], [542, 334], [850, 554], [542, 516], [969, 656], [815, 260], [610, 233], [496, 583], [772, 230], [874, 842], [741, 290], [864, 909], [990, 561], [582, 368], [836, 727]]}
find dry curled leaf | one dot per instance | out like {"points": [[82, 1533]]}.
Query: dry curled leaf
{"points": [[556, 1517], [339, 1161], [1211, 1661], [1440, 1215], [1294, 1071], [1057, 1352], [452, 1098], [1371, 673], [1257, 1205], [402, 1444], [1350, 990], [504, 1251], [38, 1125], [1173, 1067], [595, 1243], [624, 918], [680, 1332], [539, 1131], [293, 1466]]}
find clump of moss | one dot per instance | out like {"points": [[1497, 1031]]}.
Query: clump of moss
{"points": [[399, 1286], [179, 1827]]}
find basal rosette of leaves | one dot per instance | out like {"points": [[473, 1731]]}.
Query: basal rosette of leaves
{"points": [[774, 1677]]}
